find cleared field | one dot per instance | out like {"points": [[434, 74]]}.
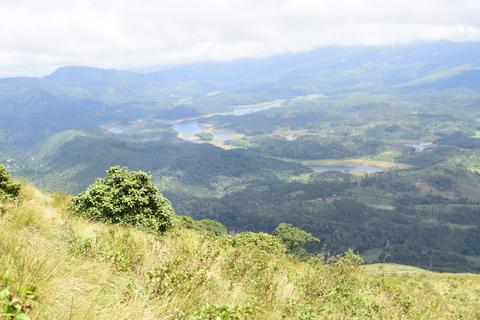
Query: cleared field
{"points": [[355, 162]]}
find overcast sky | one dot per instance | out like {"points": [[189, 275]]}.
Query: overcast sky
{"points": [[37, 36]]}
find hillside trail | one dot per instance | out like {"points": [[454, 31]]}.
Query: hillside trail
{"points": [[44, 202]]}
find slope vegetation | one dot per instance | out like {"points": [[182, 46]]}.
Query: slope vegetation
{"points": [[55, 265]]}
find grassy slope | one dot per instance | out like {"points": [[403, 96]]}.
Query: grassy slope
{"points": [[86, 270]]}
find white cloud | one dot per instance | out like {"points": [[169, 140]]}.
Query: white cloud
{"points": [[39, 36]]}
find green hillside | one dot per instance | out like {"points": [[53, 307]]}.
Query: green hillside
{"points": [[57, 265]]}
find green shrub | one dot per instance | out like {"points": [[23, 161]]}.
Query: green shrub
{"points": [[186, 221], [8, 188], [260, 241], [294, 238], [212, 227], [127, 197]]}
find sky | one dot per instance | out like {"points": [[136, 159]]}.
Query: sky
{"points": [[38, 36]]}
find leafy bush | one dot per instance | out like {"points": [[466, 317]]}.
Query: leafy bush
{"points": [[128, 197], [8, 188], [212, 227], [294, 238], [260, 241]]}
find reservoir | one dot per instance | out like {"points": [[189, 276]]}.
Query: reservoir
{"points": [[189, 129]]}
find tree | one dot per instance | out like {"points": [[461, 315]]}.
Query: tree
{"points": [[294, 238], [128, 197]]}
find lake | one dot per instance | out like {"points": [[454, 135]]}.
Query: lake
{"points": [[353, 168], [189, 129]]}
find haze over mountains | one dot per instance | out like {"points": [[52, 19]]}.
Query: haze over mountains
{"points": [[327, 70]]}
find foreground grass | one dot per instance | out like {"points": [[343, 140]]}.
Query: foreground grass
{"points": [[58, 266]]}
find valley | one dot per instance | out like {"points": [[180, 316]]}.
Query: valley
{"points": [[240, 160], [359, 159]]}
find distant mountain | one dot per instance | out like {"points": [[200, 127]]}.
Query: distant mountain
{"points": [[110, 86], [461, 77], [326, 70], [37, 114], [32, 109], [77, 97]]}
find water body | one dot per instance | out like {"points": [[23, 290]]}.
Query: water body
{"points": [[419, 146], [189, 129], [354, 168]]}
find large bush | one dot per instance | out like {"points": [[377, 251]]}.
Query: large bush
{"points": [[127, 197], [8, 188], [294, 238]]}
